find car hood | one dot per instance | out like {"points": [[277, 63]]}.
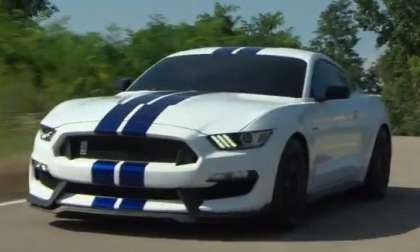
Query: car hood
{"points": [[208, 113]]}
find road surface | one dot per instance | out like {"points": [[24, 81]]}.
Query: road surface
{"points": [[339, 223]]}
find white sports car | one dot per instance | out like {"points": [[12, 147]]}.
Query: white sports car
{"points": [[215, 132]]}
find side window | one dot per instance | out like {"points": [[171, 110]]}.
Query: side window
{"points": [[327, 74], [347, 81]]}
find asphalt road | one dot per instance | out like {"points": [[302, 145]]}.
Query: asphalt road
{"points": [[340, 223]]}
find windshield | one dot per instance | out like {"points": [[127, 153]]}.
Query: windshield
{"points": [[268, 75]]}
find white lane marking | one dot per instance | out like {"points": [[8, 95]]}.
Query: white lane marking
{"points": [[14, 202]]}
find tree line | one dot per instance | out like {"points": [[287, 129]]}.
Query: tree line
{"points": [[41, 65]]}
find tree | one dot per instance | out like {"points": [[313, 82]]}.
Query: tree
{"points": [[370, 80], [222, 18], [28, 8], [337, 36], [396, 23], [265, 24], [268, 29]]}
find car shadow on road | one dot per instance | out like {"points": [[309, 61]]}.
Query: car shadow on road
{"points": [[336, 218]]}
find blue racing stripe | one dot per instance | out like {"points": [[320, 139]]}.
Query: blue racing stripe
{"points": [[110, 123], [132, 204], [249, 51], [143, 119], [224, 51], [103, 173], [104, 203], [132, 174]]}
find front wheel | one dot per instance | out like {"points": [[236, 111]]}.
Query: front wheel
{"points": [[377, 178], [289, 195]]}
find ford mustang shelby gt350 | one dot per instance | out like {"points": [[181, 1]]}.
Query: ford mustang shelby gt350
{"points": [[215, 132]]}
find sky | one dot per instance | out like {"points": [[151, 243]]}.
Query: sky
{"points": [[96, 15]]}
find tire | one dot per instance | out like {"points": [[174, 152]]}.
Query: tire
{"points": [[377, 177], [289, 195]]}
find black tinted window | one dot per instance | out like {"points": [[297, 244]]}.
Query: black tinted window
{"points": [[327, 74], [256, 74]]}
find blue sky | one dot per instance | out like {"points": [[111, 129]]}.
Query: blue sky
{"points": [[96, 15]]}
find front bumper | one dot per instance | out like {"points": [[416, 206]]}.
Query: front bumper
{"points": [[179, 204], [191, 194]]}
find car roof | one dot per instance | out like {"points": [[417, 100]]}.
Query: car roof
{"points": [[305, 55]]}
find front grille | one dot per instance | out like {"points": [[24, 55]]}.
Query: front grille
{"points": [[127, 148]]}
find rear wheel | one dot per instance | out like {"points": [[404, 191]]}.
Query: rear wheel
{"points": [[289, 196], [377, 178]]}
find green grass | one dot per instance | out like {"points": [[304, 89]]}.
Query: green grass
{"points": [[16, 136]]}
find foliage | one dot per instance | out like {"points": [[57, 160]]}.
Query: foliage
{"points": [[337, 36], [396, 22], [28, 8]]}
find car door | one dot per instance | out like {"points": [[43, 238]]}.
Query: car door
{"points": [[336, 135]]}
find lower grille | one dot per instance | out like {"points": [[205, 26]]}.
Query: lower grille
{"points": [[220, 190], [122, 192], [46, 179], [127, 148]]}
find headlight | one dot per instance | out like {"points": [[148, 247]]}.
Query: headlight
{"points": [[243, 140], [47, 133]]}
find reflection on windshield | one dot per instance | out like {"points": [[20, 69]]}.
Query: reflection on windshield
{"points": [[257, 74]]}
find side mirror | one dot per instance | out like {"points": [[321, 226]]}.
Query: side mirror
{"points": [[335, 93], [122, 84]]}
